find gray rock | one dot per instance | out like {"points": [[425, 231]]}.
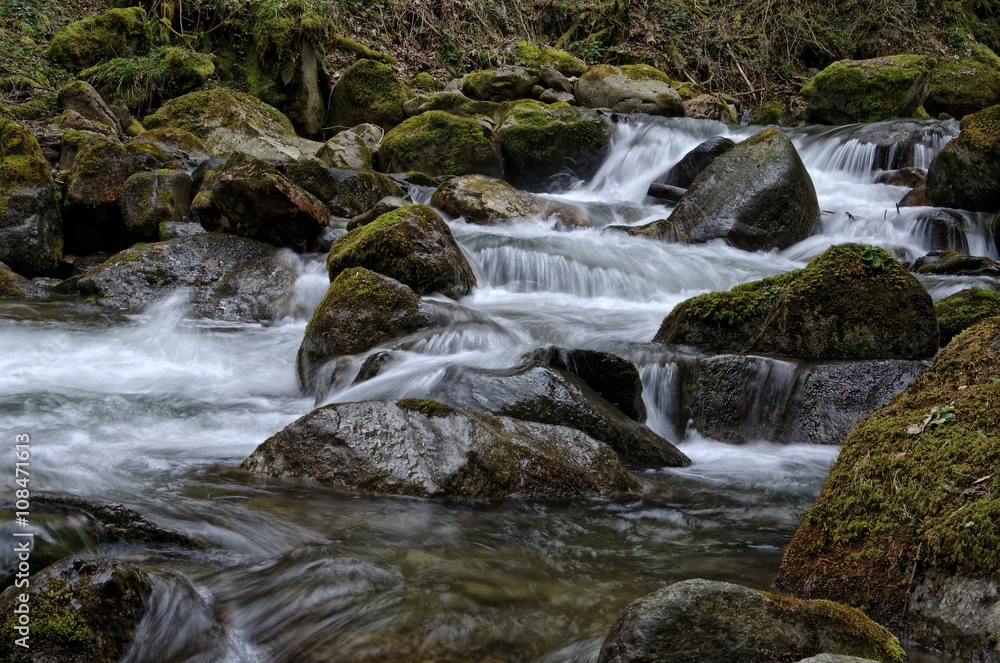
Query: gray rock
{"points": [[615, 379], [182, 147], [383, 206], [226, 277], [85, 109], [604, 86], [836, 658], [536, 392], [554, 80], [425, 448], [351, 148], [695, 161], [149, 199], [966, 173], [957, 615], [499, 84], [557, 97], [702, 620]]}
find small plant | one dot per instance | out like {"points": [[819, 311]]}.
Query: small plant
{"points": [[938, 416], [872, 256]]}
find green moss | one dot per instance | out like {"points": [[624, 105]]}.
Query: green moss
{"points": [[369, 92], [644, 72], [869, 90], [770, 113], [22, 164], [202, 111], [499, 85], [438, 143], [115, 33], [536, 56], [8, 285], [964, 309], [425, 406], [983, 131], [960, 86], [426, 82], [348, 45]]}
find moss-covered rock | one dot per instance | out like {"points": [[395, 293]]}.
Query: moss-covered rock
{"points": [[960, 86], [757, 195], [429, 449], [31, 239], [351, 148], [487, 200], [535, 56], [869, 90], [851, 302], [966, 173], [915, 494], [10, 284], [702, 620], [540, 140], [455, 103], [151, 198], [229, 121], [368, 92], [964, 309], [115, 33], [360, 311], [347, 193], [226, 277], [85, 110], [181, 147], [632, 89], [499, 84], [412, 245], [425, 82], [771, 113], [438, 143]]}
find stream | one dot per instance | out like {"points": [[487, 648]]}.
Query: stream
{"points": [[156, 411]]}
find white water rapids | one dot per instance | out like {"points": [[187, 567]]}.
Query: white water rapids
{"points": [[156, 410]]}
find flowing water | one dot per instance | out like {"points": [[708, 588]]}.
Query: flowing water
{"points": [[157, 410]]}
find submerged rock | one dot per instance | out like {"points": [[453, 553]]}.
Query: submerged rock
{"points": [[966, 173], [225, 277], [437, 143], [426, 448], [842, 305], [702, 620], [536, 392], [908, 514]]}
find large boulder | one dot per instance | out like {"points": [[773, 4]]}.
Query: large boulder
{"points": [[537, 392], [897, 144], [347, 193], [906, 523], [412, 245], [617, 380], [368, 92], [226, 277], [85, 109], [115, 33], [966, 173], [962, 310], [248, 197], [429, 449], [536, 56], [229, 121], [361, 310], [151, 198], [684, 172], [352, 148], [541, 140], [438, 143], [850, 302], [703, 620], [757, 196], [963, 85], [629, 89], [486, 200], [31, 240], [868, 90]]}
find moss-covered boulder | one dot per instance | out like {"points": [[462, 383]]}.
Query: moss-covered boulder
{"points": [[151, 198], [964, 309], [428, 449], [115, 33], [966, 173], [31, 238], [771, 113], [438, 143], [906, 524], [84, 109], [11, 284], [535, 56], [183, 148], [226, 277], [629, 89], [851, 302], [229, 121], [352, 148], [869, 90], [248, 197], [757, 195], [368, 92], [485, 200], [455, 103], [541, 140], [703, 620], [412, 245], [347, 193], [361, 310], [963, 85], [953, 263], [499, 84]]}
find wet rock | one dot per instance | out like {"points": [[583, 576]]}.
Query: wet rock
{"points": [[539, 141], [897, 143], [351, 148], [702, 620], [966, 173], [964, 309], [544, 57], [31, 239], [228, 121], [486, 200], [964, 85], [869, 90], [836, 658], [915, 198], [944, 229], [226, 277], [437, 143], [536, 392], [917, 478], [757, 196], [361, 310], [908, 177], [499, 84], [695, 161], [710, 107], [557, 97], [426, 448], [347, 193], [13, 286], [629, 89], [114, 33], [182, 147], [841, 306], [953, 263], [248, 197], [411, 245], [554, 80], [384, 206], [86, 110], [615, 379], [149, 199], [368, 92]]}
